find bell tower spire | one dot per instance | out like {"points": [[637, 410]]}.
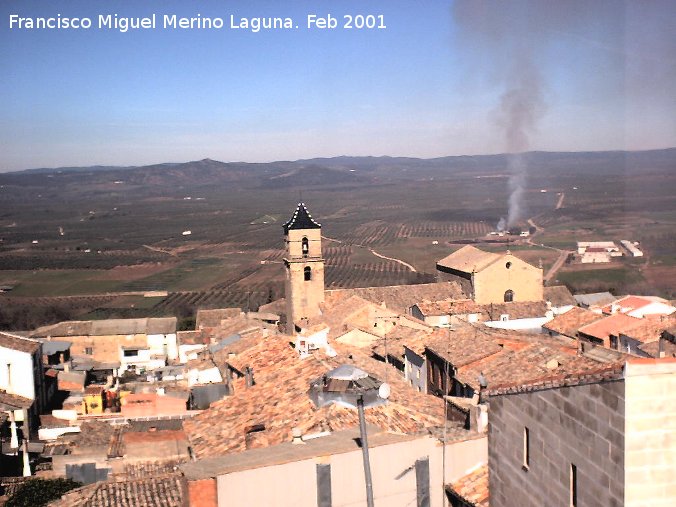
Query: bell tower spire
{"points": [[304, 288]]}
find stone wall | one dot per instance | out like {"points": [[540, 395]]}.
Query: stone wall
{"points": [[650, 415], [582, 425], [491, 283]]}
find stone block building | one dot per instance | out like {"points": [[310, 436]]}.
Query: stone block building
{"points": [[604, 438]]}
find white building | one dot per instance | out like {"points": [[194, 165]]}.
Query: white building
{"points": [[22, 393]]}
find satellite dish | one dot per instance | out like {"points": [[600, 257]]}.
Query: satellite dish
{"points": [[384, 390]]}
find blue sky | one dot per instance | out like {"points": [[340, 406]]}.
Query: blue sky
{"points": [[433, 83]]}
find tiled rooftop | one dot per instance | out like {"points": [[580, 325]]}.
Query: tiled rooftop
{"points": [[400, 298], [400, 337], [568, 323], [14, 401], [472, 488], [469, 259], [650, 329], [463, 345], [279, 401], [15, 342], [161, 325], [160, 491], [213, 318], [605, 373], [612, 325], [533, 362], [559, 295]]}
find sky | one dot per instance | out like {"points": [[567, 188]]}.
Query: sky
{"points": [[443, 78]]}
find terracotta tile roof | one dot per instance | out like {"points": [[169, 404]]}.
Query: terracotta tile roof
{"points": [[629, 303], [533, 362], [400, 337], [192, 338], [469, 259], [449, 307], [141, 469], [568, 323], [213, 318], [650, 328], [346, 314], [162, 491], [14, 401], [15, 342], [612, 325], [559, 295], [160, 325], [493, 311], [608, 372], [279, 401], [464, 345], [653, 348], [400, 297], [472, 489], [515, 310]]}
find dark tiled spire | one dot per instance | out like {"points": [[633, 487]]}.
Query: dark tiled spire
{"points": [[301, 219]]}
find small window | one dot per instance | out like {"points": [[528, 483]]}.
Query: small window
{"points": [[509, 296], [305, 247], [307, 273], [89, 351], [526, 448], [130, 353], [573, 485], [508, 265]]}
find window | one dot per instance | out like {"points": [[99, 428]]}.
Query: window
{"points": [[89, 351], [307, 272], [130, 353], [508, 265], [305, 247], [509, 296], [9, 377], [573, 485], [526, 448]]}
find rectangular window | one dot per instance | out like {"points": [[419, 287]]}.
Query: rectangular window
{"points": [[89, 351], [573, 485], [526, 448]]}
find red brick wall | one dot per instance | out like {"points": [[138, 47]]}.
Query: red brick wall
{"points": [[203, 493]]}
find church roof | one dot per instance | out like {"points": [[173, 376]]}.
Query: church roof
{"points": [[469, 259], [301, 219]]}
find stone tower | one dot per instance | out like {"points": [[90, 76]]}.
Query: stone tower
{"points": [[304, 289]]}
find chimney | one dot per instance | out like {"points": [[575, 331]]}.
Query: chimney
{"points": [[297, 435], [249, 375], [66, 366]]}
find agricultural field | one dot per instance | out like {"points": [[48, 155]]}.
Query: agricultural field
{"points": [[122, 232]]}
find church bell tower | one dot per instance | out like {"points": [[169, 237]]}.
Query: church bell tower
{"points": [[304, 289]]}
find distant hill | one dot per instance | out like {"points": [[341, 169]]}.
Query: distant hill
{"points": [[342, 170]]}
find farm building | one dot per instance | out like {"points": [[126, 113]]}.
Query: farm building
{"points": [[597, 251], [493, 277], [631, 248]]}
